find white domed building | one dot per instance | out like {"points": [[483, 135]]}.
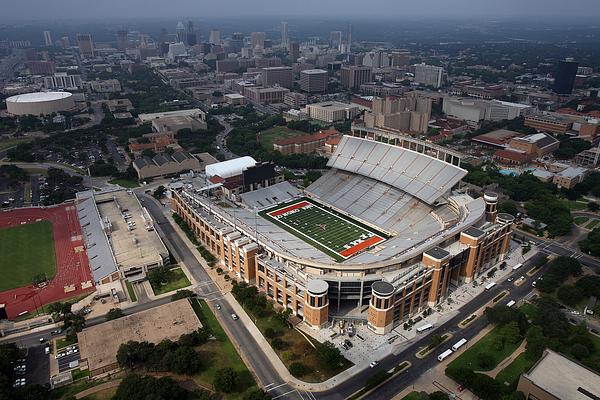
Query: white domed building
{"points": [[40, 103]]}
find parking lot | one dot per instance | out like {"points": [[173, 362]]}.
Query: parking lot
{"points": [[69, 354], [34, 368]]}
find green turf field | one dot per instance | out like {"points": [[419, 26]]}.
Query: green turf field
{"points": [[26, 251], [270, 136], [334, 234]]}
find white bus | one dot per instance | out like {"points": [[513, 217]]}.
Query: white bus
{"points": [[459, 344], [516, 267], [424, 328], [444, 355], [490, 285], [511, 303]]}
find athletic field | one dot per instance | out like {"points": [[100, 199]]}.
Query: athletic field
{"points": [[26, 251], [337, 235]]}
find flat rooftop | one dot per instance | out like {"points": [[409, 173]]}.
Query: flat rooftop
{"points": [[133, 247], [564, 378], [99, 344]]}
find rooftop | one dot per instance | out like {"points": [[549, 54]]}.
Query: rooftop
{"points": [[564, 378], [38, 97]]}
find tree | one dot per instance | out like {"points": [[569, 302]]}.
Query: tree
{"points": [[158, 276], [114, 313], [511, 333], [591, 244], [297, 369], [136, 387], [270, 333], [593, 206], [257, 394], [438, 395], [536, 342], [328, 355], [579, 351], [182, 294], [159, 192], [225, 380], [570, 295], [186, 361]]}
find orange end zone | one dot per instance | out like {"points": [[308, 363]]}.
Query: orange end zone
{"points": [[288, 208], [361, 246]]}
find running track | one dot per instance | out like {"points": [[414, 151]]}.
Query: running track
{"points": [[73, 273]]}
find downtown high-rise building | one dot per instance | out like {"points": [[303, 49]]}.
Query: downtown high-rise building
{"points": [[564, 78], [335, 38], [190, 34], [294, 51], [284, 34], [47, 38], [180, 32], [354, 76], [86, 45], [429, 75], [257, 39], [314, 80], [122, 39], [214, 37]]}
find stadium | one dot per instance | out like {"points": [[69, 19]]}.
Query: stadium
{"points": [[40, 103], [42, 258], [382, 235]]}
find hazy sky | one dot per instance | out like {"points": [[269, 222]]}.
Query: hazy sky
{"points": [[64, 9]]}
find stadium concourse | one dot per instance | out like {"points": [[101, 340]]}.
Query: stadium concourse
{"points": [[73, 275]]}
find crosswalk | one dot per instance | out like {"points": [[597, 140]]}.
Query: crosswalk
{"points": [[284, 391]]}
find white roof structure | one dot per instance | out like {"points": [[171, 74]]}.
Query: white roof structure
{"points": [[422, 176], [38, 97], [226, 169]]}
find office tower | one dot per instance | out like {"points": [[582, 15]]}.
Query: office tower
{"points": [[400, 58], [352, 76], [349, 41], [335, 38], [214, 37], [191, 38], [314, 80], [86, 45], [236, 42], [122, 39], [565, 76], [258, 39], [180, 32], [280, 76], [66, 42], [294, 51], [284, 34], [429, 75], [47, 38]]}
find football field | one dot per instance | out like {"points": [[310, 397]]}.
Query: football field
{"points": [[336, 235], [26, 251]]}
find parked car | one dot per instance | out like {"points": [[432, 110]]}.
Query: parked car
{"points": [[373, 364]]}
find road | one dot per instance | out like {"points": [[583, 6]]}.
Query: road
{"points": [[419, 366], [259, 362], [221, 139]]}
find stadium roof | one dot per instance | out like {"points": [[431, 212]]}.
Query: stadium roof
{"points": [[424, 177], [226, 169], [38, 97]]}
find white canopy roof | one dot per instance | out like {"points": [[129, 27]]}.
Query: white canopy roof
{"points": [[228, 168]]}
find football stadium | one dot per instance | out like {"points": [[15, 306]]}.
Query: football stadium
{"points": [[385, 233]]}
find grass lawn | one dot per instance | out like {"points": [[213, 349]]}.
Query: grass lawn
{"points": [[468, 359], [593, 223], [270, 136], [336, 235], [126, 183], [295, 348], [5, 144], [414, 396], [510, 374], [26, 251], [63, 342], [580, 220], [178, 281], [132, 295], [78, 373], [219, 353], [574, 205], [106, 394]]}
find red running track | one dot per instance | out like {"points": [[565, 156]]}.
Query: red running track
{"points": [[72, 266]]}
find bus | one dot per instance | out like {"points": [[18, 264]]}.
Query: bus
{"points": [[516, 267], [444, 355], [511, 303], [424, 328], [490, 285], [459, 344]]}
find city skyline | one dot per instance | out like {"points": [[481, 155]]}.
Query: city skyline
{"points": [[65, 9]]}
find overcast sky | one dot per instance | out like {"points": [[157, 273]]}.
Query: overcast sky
{"points": [[65, 9]]}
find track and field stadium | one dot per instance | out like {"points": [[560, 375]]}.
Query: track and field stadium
{"points": [[42, 245]]}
